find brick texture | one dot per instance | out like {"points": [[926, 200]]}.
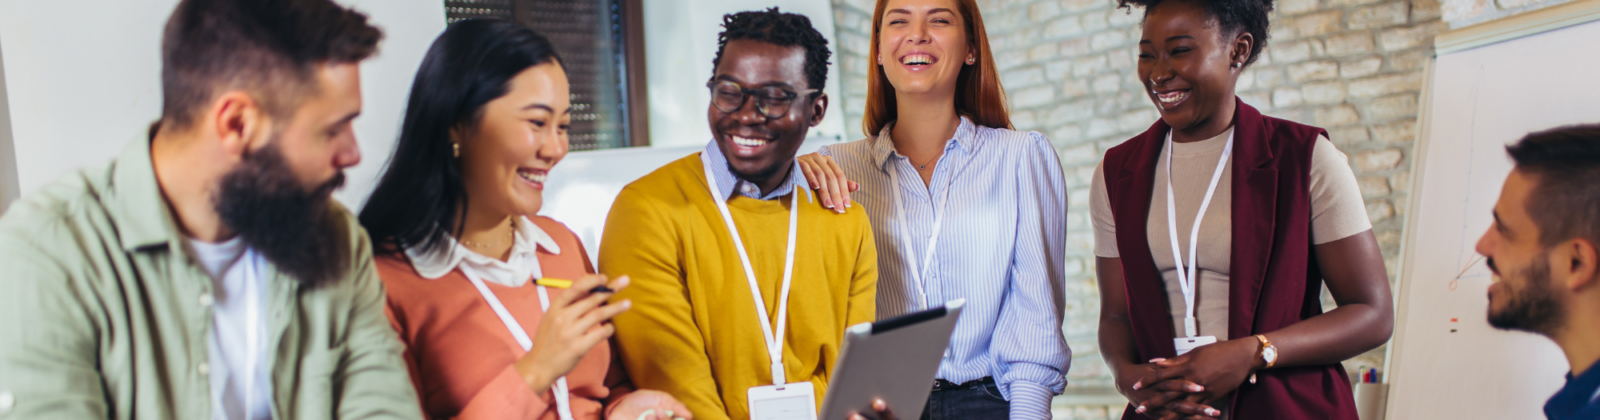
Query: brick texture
{"points": [[1353, 67]]}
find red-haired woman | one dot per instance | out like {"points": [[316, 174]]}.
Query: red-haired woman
{"points": [[962, 207], [1215, 230]]}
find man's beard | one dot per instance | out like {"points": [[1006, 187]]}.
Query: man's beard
{"points": [[274, 214], [1533, 305]]}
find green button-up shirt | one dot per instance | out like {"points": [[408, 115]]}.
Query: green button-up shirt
{"points": [[105, 314]]}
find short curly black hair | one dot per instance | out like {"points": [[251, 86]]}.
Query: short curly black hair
{"points": [[1233, 16], [781, 29]]}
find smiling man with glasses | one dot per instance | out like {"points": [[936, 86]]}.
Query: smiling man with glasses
{"points": [[731, 262]]}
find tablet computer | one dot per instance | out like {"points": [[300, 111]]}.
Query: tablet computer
{"points": [[895, 360]]}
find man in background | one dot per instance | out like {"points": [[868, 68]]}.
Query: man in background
{"points": [[1542, 249], [206, 272]]}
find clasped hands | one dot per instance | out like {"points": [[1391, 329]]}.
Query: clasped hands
{"points": [[1190, 386]]}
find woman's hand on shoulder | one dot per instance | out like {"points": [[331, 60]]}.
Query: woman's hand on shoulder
{"points": [[825, 176], [647, 404]]}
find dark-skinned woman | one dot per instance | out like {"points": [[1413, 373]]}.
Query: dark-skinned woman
{"points": [[1214, 232]]}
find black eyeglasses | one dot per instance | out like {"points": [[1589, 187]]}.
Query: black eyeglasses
{"points": [[772, 101]]}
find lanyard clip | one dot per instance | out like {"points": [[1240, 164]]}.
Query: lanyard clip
{"points": [[1190, 327], [777, 374]]}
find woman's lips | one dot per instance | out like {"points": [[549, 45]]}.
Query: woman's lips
{"points": [[1172, 98]]}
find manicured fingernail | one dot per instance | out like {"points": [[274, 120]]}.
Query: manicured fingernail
{"points": [[1139, 410], [1158, 359], [1137, 385], [1213, 412], [626, 303], [1196, 388]]}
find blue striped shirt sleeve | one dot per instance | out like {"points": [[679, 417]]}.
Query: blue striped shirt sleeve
{"points": [[1028, 343]]}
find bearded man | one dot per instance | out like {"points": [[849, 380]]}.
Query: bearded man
{"points": [[206, 273], [1542, 250]]}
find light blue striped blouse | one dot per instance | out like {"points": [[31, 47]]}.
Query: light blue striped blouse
{"points": [[1002, 247]]}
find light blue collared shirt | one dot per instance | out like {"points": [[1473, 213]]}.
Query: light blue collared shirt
{"points": [[729, 184], [1002, 247]]}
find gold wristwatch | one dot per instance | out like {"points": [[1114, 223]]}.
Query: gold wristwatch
{"points": [[1269, 353]]}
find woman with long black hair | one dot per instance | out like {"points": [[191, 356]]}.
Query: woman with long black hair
{"points": [[1215, 231], [459, 243]]}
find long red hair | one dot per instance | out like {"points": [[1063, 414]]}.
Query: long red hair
{"points": [[979, 96]]}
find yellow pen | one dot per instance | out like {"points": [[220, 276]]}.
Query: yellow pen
{"points": [[556, 283], [563, 284]]}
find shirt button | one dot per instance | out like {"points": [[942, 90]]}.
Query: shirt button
{"points": [[205, 299], [7, 401], [203, 369]]}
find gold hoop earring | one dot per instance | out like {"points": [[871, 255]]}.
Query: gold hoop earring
{"points": [[455, 149]]}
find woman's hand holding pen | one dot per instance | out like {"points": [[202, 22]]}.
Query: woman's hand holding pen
{"points": [[825, 176], [1182, 383], [576, 321]]}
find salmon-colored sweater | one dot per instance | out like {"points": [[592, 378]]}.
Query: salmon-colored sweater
{"points": [[462, 358]]}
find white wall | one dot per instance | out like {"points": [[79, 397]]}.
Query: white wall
{"points": [[8, 167], [83, 80], [681, 41]]}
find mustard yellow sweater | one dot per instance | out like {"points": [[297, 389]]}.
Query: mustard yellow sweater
{"points": [[693, 331]]}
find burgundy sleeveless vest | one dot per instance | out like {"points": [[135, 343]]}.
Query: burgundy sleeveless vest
{"points": [[1275, 279]]}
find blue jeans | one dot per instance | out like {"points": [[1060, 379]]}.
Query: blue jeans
{"points": [[976, 400]]}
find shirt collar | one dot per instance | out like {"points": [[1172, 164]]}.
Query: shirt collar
{"points": [[1579, 393], [137, 206], [964, 139], [729, 184], [451, 254]]}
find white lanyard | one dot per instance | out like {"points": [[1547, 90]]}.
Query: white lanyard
{"points": [[905, 231], [774, 341], [1187, 279], [563, 404]]}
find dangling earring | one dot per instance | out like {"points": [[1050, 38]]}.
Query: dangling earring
{"points": [[455, 149]]}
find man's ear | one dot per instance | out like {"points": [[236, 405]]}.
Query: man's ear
{"points": [[1579, 261], [819, 109], [237, 120]]}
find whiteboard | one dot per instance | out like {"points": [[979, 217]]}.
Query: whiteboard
{"points": [[1448, 363]]}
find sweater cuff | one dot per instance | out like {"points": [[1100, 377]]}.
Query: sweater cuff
{"points": [[1030, 401]]}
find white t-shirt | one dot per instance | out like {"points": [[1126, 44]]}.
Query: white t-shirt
{"points": [[240, 364]]}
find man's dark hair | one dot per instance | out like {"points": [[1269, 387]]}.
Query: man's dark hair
{"points": [[1565, 165], [266, 47], [782, 29], [1232, 16]]}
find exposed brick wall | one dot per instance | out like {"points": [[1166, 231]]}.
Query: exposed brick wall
{"points": [[1354, 67]]}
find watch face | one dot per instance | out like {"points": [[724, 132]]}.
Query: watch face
{"points": [[1270, 353]]}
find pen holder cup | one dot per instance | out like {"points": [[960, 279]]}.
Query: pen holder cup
{"points": [[1371, 399]]}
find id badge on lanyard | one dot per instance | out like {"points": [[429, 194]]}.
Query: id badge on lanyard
{"points": [[781, 400], [1186, 279]]}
